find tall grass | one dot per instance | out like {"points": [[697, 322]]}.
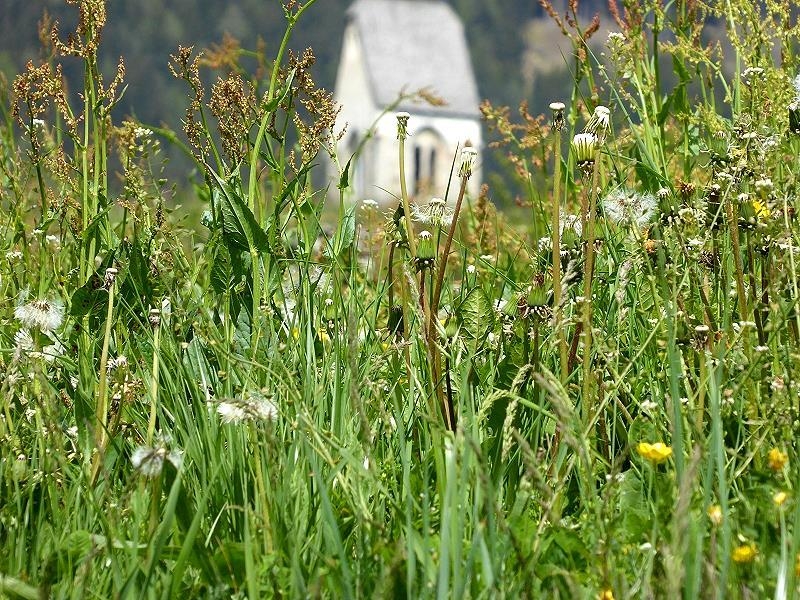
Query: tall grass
{"points": [[260, 407]]}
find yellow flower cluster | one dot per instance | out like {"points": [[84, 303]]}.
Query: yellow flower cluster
{"points": [[655, 453], [779, 498], [777, 459], [744, 554], [715, 514]]}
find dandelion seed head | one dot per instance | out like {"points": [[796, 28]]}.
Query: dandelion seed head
{"points": [[46, 315], [570, 222], [622, 205], [150, 461], [435, 213], [254, 407]]}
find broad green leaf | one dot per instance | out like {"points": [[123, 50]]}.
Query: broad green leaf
{"points": [[476, 315]]}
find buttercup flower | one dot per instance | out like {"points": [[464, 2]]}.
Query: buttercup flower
{"points": [[745, 553], [779, 498], [715, 514], [777, 459], [655, 453]]}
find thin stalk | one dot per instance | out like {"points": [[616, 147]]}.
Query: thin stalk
{"points": [[412, 244], [587, 289], [155, 320], [273, 82], [556, 237], [101, 405]]}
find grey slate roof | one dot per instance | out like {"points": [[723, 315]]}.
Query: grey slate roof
{"points": [[416, 44]]}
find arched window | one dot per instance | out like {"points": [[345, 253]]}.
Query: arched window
{"points": [[429, 147]]}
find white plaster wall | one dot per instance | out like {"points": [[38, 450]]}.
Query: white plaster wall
{"points": [[379, 162], [353, 93], [455, 133]]}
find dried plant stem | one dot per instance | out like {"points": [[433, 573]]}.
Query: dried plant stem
{"points": [[432, 331], [437, 289]]}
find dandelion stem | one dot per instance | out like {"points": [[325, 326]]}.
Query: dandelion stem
{"points": [[151, 424], [556, 237], [101, 405], [587, 289]]}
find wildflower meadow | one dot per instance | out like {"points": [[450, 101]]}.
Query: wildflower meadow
{"points": [[270, 388]]}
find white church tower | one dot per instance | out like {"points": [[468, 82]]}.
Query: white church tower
{"points": [[395, 46]]}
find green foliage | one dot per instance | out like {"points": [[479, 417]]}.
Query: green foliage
{"points": [[234, 411]]}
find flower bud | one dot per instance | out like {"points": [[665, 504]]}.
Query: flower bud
{"points": [[584, 147], [558, 115], [468, 157], [426, 253], [402, 125]]}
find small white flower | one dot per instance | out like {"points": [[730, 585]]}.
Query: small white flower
{"points": [[13, 255], [369, 204], [113, 364], [255, 407], [150, 461], [46, 315], [615, 37]]}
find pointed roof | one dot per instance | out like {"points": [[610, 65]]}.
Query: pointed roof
{"points": [[416, 44]]}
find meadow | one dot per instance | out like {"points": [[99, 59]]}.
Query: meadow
{"points": [[291, 392]]}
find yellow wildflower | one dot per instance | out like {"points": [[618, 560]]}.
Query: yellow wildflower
{"points": [[655, 453], [607, 594], [780, 498], [777, 459], [715, 514], [744, 554], [761, 209]]}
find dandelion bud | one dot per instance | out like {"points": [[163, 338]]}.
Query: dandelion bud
{"points": [[395, 322], [451, 328], [584, 147], [715, 514], [558, 115], [402, 125], [536, 302], [468, 157], [111, 276], [599, 123], [425, 251], [794, 117]]}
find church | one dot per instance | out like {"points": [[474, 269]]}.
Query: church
{"points": [[394, 47]]}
